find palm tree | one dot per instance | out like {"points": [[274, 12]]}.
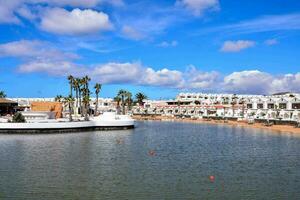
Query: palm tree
{"points": [[80, 85], [140, 97], [97, 91], [117, 99], [76, 85], [129, 100], [122, 94], [86, 100], [86, 95], [2, 94], [69, 100], [71, 81], [59, 98]]}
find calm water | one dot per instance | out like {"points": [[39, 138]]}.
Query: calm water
{"points": [[246, 163]]}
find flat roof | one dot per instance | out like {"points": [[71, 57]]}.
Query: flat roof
{"points": [[7, 101]]}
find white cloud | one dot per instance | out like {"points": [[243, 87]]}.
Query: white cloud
{"points": [[26, 13], [287, 82], [56, 68], [236, 46], [7, 11], [243, 82], [198, 7], [9, 8], [271, 42], [117, 72], [43, 57], [75, 22], [148, 24], [286, 22], [257, 82], [40, 56], [135, 73], [164, 77], [165, 44], [22, 48], [73, 3], [196, 79], [33, 49], [252, 81], [131, 33], [78, 3]]}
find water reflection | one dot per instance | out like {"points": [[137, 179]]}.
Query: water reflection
{"points": [[245, 163]]}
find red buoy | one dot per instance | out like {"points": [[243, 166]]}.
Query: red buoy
{"points": [[212, 178], [152, 153]]}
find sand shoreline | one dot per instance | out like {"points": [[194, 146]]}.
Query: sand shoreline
{"points": [[276, 128]]}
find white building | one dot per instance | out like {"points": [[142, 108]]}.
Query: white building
{"points": [[104, 104], [281, 106]]}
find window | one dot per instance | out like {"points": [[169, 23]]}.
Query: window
{"points": [[296, 106], [270, 105], [282, 106], [249, 105], [260, 106]]}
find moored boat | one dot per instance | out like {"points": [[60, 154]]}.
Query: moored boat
{"points": [[106, 121]]}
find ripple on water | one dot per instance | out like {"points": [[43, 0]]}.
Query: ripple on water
{"points": [[157, 160]]}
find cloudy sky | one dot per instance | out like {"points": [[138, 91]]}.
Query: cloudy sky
{"points": [[159, 47]]}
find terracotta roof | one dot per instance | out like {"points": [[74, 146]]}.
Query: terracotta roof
{"points": [[3, 100]]}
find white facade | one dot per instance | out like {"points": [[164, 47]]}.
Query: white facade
{"points": [[37, 116], [104, 104], [284, 106]]}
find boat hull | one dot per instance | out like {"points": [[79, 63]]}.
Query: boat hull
{"points": [[64, 127], [62, 130]]}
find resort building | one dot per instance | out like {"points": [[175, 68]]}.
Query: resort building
{"points": [[7, 107], [280, 106], [46, 108]]}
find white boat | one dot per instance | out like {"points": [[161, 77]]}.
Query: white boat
{"points": [[106, 121]]}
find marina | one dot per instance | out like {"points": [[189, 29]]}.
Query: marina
{"points": [[149, 100], [156, 160]]}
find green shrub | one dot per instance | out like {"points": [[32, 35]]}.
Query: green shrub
{"points": [[18, 118]]}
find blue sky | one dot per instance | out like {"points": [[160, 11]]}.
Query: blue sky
{"points": [[156, 47]]}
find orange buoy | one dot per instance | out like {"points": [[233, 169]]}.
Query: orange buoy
{"points": [[212, 178]]}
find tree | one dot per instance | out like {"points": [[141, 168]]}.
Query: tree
{"points": [[140, 97], [2, 94], [86, 96], [129, 100], [58, 98], [18, 118], [76, 85], [71, 83], [122, 94], [118, 99], [80, 85], [69, 100], [97, 91]]}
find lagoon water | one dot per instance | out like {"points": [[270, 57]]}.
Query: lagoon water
{"points": [[246, 164]]}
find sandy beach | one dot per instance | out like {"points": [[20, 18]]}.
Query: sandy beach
{"points": [[276, 128]]}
